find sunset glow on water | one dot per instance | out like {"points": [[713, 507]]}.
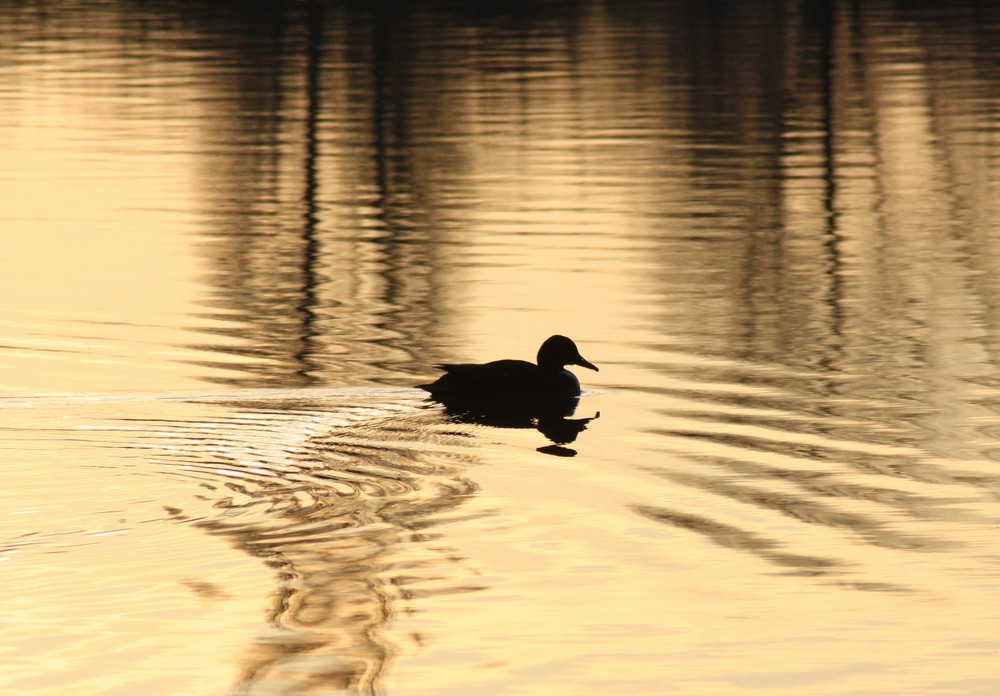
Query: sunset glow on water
{"points": [[235, 241]]}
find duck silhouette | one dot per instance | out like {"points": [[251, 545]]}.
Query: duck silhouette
{"points": [[515, 380]]}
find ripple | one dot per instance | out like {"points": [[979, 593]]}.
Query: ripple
{"points": [[733, 537], [338, 493], [808, 469]]}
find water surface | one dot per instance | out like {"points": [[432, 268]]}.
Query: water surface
{"points": [[235, 240]]}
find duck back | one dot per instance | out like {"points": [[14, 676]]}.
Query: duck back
{"points": [[503, 379]]}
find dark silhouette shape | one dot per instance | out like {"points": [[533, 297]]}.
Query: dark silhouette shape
{"points": [[551, 416], [519, 394], [515, 381]]}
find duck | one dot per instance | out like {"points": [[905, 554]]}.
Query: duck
{"points": [[515, 380]]}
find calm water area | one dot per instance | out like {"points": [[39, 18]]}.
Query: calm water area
{"points": [[235, 236]]}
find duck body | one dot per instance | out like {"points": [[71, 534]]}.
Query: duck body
{"points": [[504, 377], [515, 380]]}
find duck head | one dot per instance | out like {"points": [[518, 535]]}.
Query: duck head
{"points": [[559, 351]]}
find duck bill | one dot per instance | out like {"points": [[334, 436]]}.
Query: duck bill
{"points": [[583, 363]]}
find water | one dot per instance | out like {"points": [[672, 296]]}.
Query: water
{"points": [[234, 240]]}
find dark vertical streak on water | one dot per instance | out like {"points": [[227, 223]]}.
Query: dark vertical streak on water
{"points": [[388, 111], [306, 306], [381, 93], [824, 13], [395, 201]]}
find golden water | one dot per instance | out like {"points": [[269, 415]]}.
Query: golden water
{"points": [[234, 241]]}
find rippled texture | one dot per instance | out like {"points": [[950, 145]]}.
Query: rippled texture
{"points": [[235, 238]]}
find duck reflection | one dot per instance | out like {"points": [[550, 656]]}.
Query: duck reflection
{"points": [[552, 417]]}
